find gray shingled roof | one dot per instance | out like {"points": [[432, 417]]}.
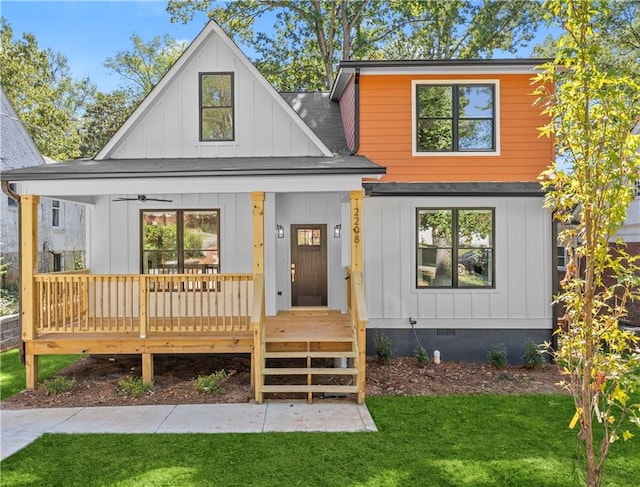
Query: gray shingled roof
{"points": [[322, 116], [204, 167], [454, 189], [17, 149]]}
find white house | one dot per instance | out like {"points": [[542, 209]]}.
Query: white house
{"points": [[227, 217]]}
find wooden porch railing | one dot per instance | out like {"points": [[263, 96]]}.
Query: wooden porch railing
{"points": [[357, 309], [142, 304]]}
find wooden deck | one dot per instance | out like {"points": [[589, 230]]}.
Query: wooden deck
{"points": [[299, 344], [305, 351]]}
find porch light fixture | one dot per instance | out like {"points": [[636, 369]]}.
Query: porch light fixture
{"points": [[336, 231], [280, 231]]}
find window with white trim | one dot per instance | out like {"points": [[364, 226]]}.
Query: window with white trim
{"points": [[455, 247], [55, 213], [455, 117], [561, 257]]}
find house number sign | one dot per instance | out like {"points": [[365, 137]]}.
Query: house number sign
{"points": [[356, 225]]}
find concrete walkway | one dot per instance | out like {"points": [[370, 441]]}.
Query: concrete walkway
{"points": [[20, 427]]}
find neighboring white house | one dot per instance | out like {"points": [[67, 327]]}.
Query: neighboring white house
{"points": [[62, 224]]}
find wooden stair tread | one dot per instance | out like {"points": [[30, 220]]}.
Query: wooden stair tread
{"points": [[310, 388], [290, 339], [309, 371], [310, 354]]}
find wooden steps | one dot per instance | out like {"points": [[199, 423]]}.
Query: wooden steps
{"points": [[309, 370], [310, 389], [310, 354], [300, 352]]}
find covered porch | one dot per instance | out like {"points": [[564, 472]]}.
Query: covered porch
{"points": [[187, 313]]}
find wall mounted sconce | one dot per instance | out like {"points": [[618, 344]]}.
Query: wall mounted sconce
{"points": [[336, 231], [280, 231]]}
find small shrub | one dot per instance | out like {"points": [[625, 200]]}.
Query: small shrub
{"points": [[421, 355], [9, 302], [384, 350], [212, 383], [57, 384], [531, 355], [498, 356], [134, 386]]}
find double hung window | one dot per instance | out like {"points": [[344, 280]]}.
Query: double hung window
{"points": [[55, 213]]}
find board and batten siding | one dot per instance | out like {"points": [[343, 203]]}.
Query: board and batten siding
{"points": [[523, 263], [169, 128], [320, 208], [114, 243], [386, 132]]}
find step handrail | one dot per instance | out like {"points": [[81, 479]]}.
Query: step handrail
{"points": [[357, 305], [258, 326]]}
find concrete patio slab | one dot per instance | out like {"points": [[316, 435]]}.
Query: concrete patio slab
{"points": [[215, 418], [116, 419], [328, 417]]}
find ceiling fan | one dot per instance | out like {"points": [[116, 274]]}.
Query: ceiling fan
{"points": [[143, 198]]}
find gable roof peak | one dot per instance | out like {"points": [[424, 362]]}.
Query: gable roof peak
{"points": [[210, 28]]}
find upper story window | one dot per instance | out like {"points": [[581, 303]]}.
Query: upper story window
{"points": [[216, 107], [455, 247], [180, 242], [451, 118], [55, 213]]}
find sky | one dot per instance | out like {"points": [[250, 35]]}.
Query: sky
{"points": [[87, 32]]}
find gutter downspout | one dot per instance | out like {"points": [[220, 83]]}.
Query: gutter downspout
{"points": [[356, 115], [4, 185], [9, 192]]}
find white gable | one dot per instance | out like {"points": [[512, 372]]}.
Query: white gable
{"points": [[166, 124]]}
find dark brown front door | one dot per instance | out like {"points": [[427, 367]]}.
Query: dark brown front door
{"points": [[308, 265]]}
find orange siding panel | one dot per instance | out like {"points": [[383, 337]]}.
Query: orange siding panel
{"points": [[386, 133]]}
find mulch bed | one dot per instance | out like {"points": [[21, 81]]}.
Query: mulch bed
{"points": [[96, 381]]}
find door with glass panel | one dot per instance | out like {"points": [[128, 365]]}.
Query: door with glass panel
{"points": [[308, 271]]}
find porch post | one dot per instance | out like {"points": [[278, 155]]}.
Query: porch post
{"points": [[356, 230], [28, 268], [356, 273], [257, 203], [257, 200]]}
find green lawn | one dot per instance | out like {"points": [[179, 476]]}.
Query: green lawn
{"points": [[12, 375], [422, 441]]}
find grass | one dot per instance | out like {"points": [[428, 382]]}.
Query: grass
{"points": [[12, 372], [478, 441]]}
